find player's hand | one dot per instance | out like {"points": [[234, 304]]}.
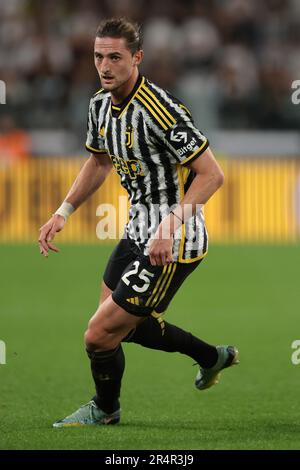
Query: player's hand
{"points": [[47, 233], [160, 249]]}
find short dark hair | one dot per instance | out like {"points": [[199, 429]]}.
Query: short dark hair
{"points": [[121, 28]]}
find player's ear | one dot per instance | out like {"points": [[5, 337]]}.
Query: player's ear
{"points": [[138, 57]]}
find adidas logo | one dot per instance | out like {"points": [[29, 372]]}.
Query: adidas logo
{"points": [[133, 300]]}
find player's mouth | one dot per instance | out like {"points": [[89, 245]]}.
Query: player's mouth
{"points": [[107, 79]]}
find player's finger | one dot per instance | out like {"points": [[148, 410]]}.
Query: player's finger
{"points": [[51, 234], [158, 259], [169, 259], [42, 241], [162, 259], [52, 247], [152, 259], [43, 251], [44, 234]]}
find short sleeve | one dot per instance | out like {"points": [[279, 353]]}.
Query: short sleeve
{"points": [[185, 140], [95, 141]]}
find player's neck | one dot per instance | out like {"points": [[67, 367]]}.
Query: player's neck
{"points": [[119, 95]]}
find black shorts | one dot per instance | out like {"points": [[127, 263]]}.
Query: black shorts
{"points": [[138, 287]]}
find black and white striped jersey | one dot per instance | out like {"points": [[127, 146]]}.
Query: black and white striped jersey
{"points": [[150, 138]]}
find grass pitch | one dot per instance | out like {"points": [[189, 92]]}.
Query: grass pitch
{"points": [[247, 296]]}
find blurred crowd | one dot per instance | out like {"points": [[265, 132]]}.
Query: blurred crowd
{"points": [[231, 61]]}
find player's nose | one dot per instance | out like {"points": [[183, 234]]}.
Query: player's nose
{"points": [[105, 68]]}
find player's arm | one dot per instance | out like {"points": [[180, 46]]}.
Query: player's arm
{"points": [[90, 178], [209, 178]]}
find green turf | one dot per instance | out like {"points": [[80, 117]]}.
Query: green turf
{"points": [[248, 296]]}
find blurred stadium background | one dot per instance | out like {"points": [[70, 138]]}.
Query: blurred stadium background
{"points": [[224, 59], [233, 63]]}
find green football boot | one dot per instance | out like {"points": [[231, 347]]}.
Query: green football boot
{"points": [[88, 414], [227, 357]]}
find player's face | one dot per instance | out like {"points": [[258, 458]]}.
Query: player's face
{"points": [[114, 62]]}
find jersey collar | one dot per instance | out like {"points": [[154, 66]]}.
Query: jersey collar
{"points": [[118, 110]]}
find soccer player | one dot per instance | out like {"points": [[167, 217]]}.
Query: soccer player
{"points": [[169, 171]]}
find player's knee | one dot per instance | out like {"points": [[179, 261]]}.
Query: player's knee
{"points": [[93, 340], [97, 340]]}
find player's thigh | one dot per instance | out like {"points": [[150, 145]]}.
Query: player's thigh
{"points": [[142, 290], [105, 292]]}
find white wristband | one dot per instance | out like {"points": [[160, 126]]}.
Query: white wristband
{"points": [[65, 210]]}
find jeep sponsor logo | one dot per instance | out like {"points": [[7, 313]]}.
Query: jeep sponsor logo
{"points": [[133, 168], [187, 148]]}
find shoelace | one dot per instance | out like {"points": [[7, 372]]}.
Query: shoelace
{"points": [[92, 405], [80, 414]]}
